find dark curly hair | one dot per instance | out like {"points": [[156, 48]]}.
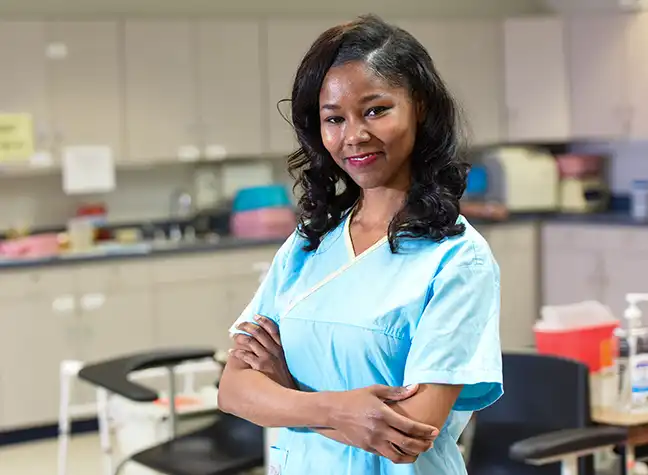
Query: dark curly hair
{"points": [[438, 172]]}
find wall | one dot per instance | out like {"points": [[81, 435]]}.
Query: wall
{"points": [[145, 194], [269, 7], [140, 195]]}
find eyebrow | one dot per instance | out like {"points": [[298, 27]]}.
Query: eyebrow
{"points": [[364, 100]]}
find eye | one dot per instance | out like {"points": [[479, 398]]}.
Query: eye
{"points": [[334, 120], [375, 111]]}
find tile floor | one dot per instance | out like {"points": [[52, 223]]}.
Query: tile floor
{"points": [[84, 458], [40, 458]]}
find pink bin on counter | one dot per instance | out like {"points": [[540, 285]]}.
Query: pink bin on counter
{"points": [[38, 246], [264, 223]]}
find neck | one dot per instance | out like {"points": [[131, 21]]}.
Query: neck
{"points": [[378, 207]]}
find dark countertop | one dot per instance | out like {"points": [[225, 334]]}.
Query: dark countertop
{"points": [[137, 251], [231, 243]]}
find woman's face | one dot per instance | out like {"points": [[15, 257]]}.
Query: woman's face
{"points": [[368, 126]]}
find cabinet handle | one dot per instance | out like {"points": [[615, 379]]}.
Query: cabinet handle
{"points": [[91, 302], [64, 304]]}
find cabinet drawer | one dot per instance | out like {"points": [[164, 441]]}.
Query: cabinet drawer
{"points": [[584, 237], [17, 284], [637, 240], [182, 269], [250, 261], [114, 276]]}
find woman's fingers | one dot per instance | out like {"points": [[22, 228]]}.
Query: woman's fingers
{"points": [[408, 445], [247, 357], [389, 451], [252, 345], [258, 333], [414, 429], [270, 327]]}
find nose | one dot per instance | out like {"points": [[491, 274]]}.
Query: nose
{"points": [[356, 132]]}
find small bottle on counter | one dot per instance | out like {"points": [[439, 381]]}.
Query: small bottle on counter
{"points": [[639, 200]]}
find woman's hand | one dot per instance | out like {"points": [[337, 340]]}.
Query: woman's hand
{"points": [[364, 418], [262, 351]]}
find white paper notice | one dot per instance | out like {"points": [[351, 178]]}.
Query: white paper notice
{"points": [[88, 169]]}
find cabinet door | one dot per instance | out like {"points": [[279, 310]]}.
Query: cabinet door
{"points": [[625, 272], [23, 81], [571, 276], [86, 81], [240, 291], [598, 68], [474, 72], [638, 75], [536, 79], [161, 90], [191, 313], [515, 248], [38, 336], [115, 324], [468, 56], [230, 88], [287, 42]]}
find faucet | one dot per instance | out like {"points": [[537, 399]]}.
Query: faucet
{"points": [[180, 209]]}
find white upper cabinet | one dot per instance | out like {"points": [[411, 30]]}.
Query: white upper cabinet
{"points": [[637, 79], [230, 84], [599, 72], [85, 84], [23, 80], [536, 80], [287, 41], [161, 90], [468, 56]]}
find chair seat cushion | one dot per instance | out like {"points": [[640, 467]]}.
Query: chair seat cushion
{"points": [[227, 447]]}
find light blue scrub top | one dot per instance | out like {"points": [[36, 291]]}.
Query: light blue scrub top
{"points": [[429, 314]]}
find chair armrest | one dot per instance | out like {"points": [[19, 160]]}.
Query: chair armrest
{"points": [[558, 445], [112, 374]]}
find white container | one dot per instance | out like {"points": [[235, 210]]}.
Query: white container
{"points": [[639, 200], [139, 426]]}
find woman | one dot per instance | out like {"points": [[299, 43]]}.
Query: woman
{"points": [[386, 298]]}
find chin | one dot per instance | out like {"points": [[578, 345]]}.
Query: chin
{"points": [[366, 183]]}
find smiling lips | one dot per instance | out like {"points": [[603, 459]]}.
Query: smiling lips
{"points": [[363, 160]]}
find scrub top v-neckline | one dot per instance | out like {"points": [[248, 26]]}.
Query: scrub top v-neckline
{"points": [[349, 242]]}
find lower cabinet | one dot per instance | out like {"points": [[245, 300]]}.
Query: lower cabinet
{"points": [[515, 247], [35, 339], [97, 311]]}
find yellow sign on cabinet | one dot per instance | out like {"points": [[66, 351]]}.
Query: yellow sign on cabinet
{"points": [[16, 137]]}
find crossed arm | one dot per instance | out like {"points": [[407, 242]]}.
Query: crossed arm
{"points": [[398, 423]]}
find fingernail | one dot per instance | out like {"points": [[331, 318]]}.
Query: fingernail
{"points": [[410, 386], [257, 317], [229, 352]]}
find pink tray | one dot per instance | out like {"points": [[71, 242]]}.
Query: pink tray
{"points": [[265, 223]]}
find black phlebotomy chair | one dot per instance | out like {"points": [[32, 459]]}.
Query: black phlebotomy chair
{"points": [[542, 424], [228, 446]]}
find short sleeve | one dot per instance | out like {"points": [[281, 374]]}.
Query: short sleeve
{"points": [[457, 338], [263, 302]]}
